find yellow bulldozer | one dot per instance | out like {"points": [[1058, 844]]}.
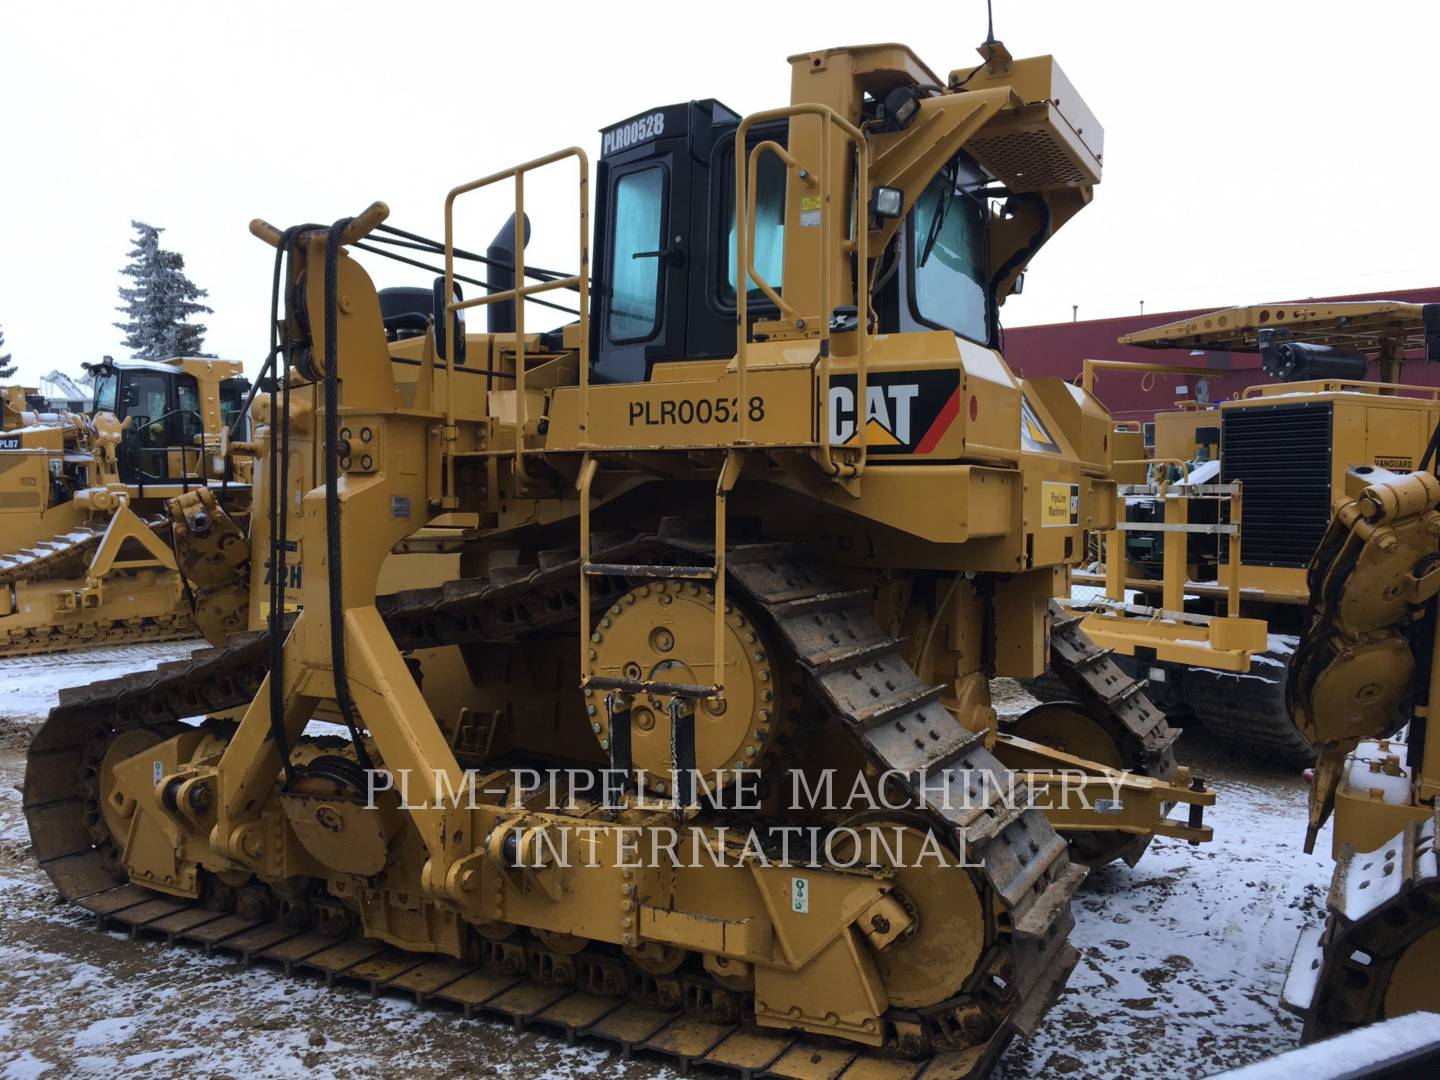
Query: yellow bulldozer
{"points": [[637, 635], [85, 552], [1216, 531]]}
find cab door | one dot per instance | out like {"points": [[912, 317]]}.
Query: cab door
{"points": [[648, 169], [159, 446], [144, 401], [187, 430], [643, 299]]}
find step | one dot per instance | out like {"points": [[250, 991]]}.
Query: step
{"points": [[649, 571], [640, 686]]}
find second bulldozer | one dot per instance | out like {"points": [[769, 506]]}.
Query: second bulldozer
{"points": [[85, 549], [1219, 549]]}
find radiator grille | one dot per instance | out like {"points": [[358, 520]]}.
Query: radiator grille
{"points": [[1281, 453]]}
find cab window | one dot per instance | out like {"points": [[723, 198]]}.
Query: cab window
{"points": [[232, 401], [635, 255], [769, 235], [949, 257], [107, 382], [146, 405], [187, 405]]}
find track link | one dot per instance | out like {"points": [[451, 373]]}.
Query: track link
{"points": [[37, 561], [1023, 867], [37, 641]]}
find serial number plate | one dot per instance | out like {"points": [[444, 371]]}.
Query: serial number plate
{"points": [[682, 411]]}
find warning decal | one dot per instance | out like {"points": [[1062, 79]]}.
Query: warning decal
{"points": [[1034, 435]]}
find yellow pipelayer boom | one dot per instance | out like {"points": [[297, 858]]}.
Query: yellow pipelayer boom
{"points": [[84, 553], [713, 549]]}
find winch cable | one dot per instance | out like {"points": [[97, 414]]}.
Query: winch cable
{"points": [[332, 491], [278, 506], [424, 243], [458, 277], [265, 372], [1430, 449]]}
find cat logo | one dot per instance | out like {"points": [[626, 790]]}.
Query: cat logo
{"points": [[906, 412], [1034, 435]]}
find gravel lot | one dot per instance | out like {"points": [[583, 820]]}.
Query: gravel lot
{"points": [[1182, 957]]}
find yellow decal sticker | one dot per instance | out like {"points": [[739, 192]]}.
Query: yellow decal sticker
{"points": [[1059, 504], [1034, 435], [809, 211]]}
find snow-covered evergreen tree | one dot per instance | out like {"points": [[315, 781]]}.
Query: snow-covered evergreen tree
{"points": [[158, 307], [6, 368]]}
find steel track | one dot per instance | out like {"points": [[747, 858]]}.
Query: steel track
{"points": [[852, 666], [1085, 674], [1381, 902]]}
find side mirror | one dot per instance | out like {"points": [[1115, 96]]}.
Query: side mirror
{"points": [[454, 330], [1019, 286]]}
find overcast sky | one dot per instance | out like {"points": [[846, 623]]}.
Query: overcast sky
{"points": [[1254, 150]]}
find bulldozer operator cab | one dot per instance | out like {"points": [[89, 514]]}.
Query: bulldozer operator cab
{"points": [[665, 276], [163, 442]]}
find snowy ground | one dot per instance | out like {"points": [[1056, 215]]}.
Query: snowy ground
{"points": [[1182, 957]]}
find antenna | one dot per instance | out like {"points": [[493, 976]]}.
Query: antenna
{"points": [[993, 52]]}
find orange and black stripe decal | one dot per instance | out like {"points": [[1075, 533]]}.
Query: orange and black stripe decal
{"points": [[946, 417]]}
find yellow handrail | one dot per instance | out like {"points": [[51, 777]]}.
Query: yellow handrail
{"points": [[1174, 558], [745, 185], [1089, 367], [579, 281], [1339, 385]]}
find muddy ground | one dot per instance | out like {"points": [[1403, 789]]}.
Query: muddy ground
{"points": [[1182, 957]]}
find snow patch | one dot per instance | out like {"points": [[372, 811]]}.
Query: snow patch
{"points": [[1304, 971], [24, 1066], [1344, 1054]]}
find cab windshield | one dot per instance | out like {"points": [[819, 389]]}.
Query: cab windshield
{"points": [[949, 259]]}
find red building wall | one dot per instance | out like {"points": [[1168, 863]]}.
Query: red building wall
{"points": [[1059, 349]]}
